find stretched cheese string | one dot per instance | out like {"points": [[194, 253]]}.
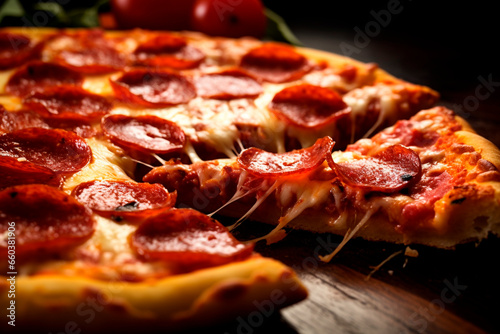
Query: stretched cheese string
{"points": [[193, 156], [240, 145], [240, 191], [348, 236], [377, 268], [256, 205], [386, 104], [157, 157], [309, 197]]}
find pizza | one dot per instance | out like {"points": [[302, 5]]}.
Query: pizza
{"points": [[427, 180], [121, 152]]}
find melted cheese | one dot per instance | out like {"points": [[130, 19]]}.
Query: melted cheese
{"points": [[105, 165], [349, 235], [360, 99], [10, 103], [259, 201], [301, 192], [309, 194], [99, 84], [4, 77], [112, 239]]}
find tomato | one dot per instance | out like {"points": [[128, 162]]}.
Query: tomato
{"points": [[229, 18], [152, 14]]}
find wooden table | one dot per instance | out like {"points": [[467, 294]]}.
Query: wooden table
{"points": [[440, 291]]}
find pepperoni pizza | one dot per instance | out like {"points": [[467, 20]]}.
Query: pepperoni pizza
{"points": [[117, 147]]}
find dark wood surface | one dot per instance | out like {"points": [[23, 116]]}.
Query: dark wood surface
{"points": [[440, 291], [452, 50]]}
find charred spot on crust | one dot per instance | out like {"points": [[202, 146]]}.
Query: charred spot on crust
{"points": [[458, 200], [230, 291]]}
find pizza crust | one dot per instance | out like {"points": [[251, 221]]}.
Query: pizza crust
{"points": [[338, 61], [467, 213], [193, 300], [473, 218]]}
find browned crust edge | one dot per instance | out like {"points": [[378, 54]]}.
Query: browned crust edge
{"points": [[472, 219], [194, 300]]}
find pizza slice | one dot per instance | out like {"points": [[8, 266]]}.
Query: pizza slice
{"points": [[84, 244], [428, 180]]}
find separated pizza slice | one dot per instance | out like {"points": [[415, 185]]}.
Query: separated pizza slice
{"points": [[84, 244], [428, 180]]}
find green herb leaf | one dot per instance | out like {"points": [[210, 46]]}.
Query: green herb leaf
{"points": [[55, 9], [86, 17], [277, 28], [11, 8]]}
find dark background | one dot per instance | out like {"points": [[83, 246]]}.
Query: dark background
{"points": [[446, 45], [426, 38]]}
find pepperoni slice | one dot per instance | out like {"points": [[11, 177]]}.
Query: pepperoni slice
{"points": [[426, 192], [58, 150], [188, 239], [167, 50], [153, 89], [16, 49], [308, 106], [266, 164], [227, 85], [22, 119], [15, 171], [68, 103], [120, 200], [81, 128], [16, 120], [276, 63], [37, 76], [405, 133], [90, 52], [45, 218], [390, 170], [147, 134]]}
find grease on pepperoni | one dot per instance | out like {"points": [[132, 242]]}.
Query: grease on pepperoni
{"points": [[45, 218], [90, 52], [20, 119], [308, 106], [68, 103], [390, 170], [425, 193], [275, 63], [146, 134], [61, 151], [227, 85], [38, 76], [267, 164], [166, 50], [120, 200], [16, 49], [405, 133], [189, 240], [153, 88], [15, 171]]}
